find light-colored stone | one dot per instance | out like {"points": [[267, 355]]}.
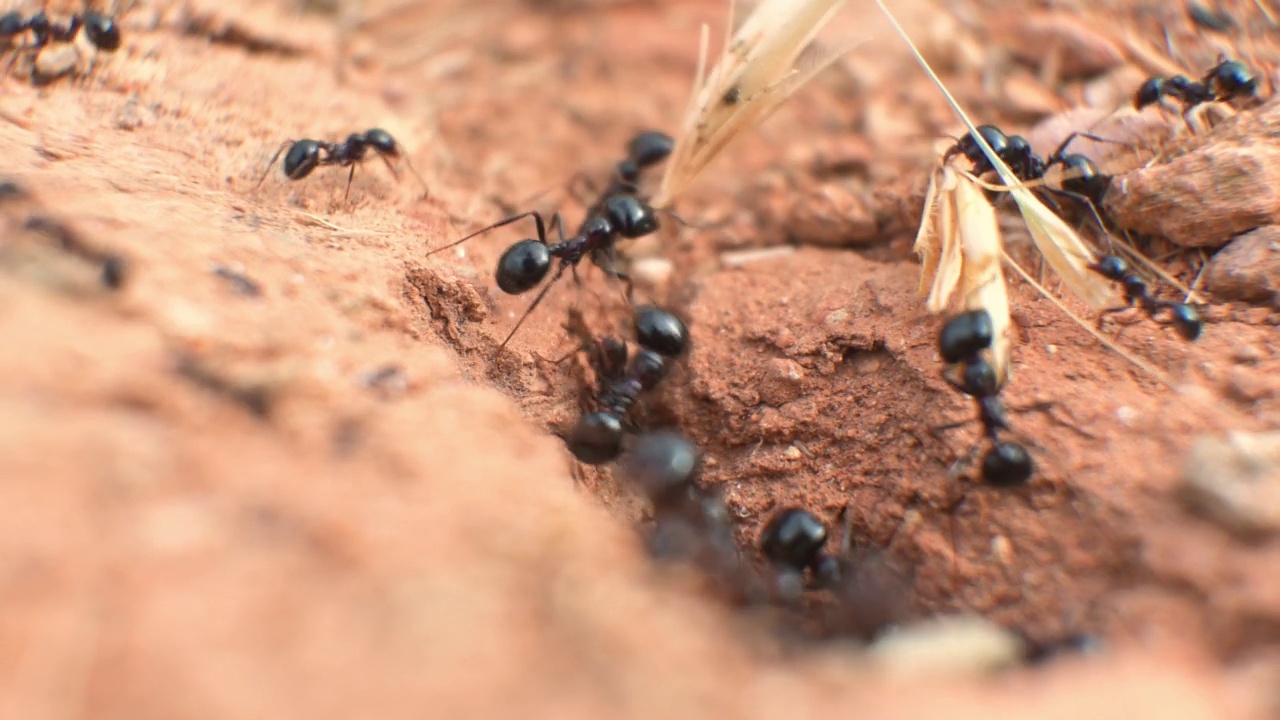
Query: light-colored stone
{"points": [[1248, 268], [947, 646], [1236, 481]]}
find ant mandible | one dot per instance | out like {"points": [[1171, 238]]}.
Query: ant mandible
{"points": [[597, 437], [961, 341], [306, 155], [619, 213], [1185, 317], [1228, 80]]}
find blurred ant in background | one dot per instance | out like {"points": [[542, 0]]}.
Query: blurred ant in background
{"points": [[1228, 80], [617, 214], [306, 155], [100, 29]]}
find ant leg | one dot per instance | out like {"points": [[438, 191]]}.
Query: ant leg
{"points": [[606, 260], [272, 163], [426, 191], [351, 175], [542, 232], [1093, 209], [533, 305]]}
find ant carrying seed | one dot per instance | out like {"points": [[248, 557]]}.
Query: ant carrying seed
{"points": [[597, 438], [618, 214], [1082, 180], [1184, 316], [306, 155], [1226, 81], [961, 342], [99, 28]]}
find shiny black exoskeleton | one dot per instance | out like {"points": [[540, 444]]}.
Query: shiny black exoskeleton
{"points": [[619, 213], [1226, 81], [793, 541], [961, 341], [1184, 316], [306, 155], [598, 436], [101, 30], [1082, 180], [690, 523]]}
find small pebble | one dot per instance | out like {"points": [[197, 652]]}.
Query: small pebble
{"points": [[1235, 481], [54, 61]]}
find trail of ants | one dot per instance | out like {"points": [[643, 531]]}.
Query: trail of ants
{"points": [[619, 213], [305, 155], [662, 337]]}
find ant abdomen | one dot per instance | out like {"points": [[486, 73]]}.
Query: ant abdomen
{"points": [[302, 158], [793, 538], [597, 438], [522, 266], [1007, 464], [660, 331]]}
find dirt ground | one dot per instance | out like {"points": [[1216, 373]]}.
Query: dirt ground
{"points": [[280, 471]]}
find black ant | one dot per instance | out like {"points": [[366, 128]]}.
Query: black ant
{"points": [[100, 28], [618, 214], [689, 522], [1185, 317], [1228, 80], [306, 155], [792, 542], [962, 341], [597, 437], [1082, 180]]}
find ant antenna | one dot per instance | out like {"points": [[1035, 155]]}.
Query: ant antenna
{"points": [[533, 305], [272, 163], [555, 223]]}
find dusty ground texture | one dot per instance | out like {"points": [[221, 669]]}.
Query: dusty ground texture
{"points": [[280, 472]]}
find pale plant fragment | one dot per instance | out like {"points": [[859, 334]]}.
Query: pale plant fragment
{"points": [[1067, 254], [756, 73], [962, 256]]}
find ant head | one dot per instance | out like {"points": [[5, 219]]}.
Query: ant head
{"points": [[381, 141], [1112, 267], [522, 266], [302, 158], [662, 464], [649, 368], [597, 438], [1233, 79], [102, 31], [11, 24], [1187, 319], [630, 216], [1007, 464], [660, 331], [649, 148], [1149, 93], [965, 335], [793, 538]]}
